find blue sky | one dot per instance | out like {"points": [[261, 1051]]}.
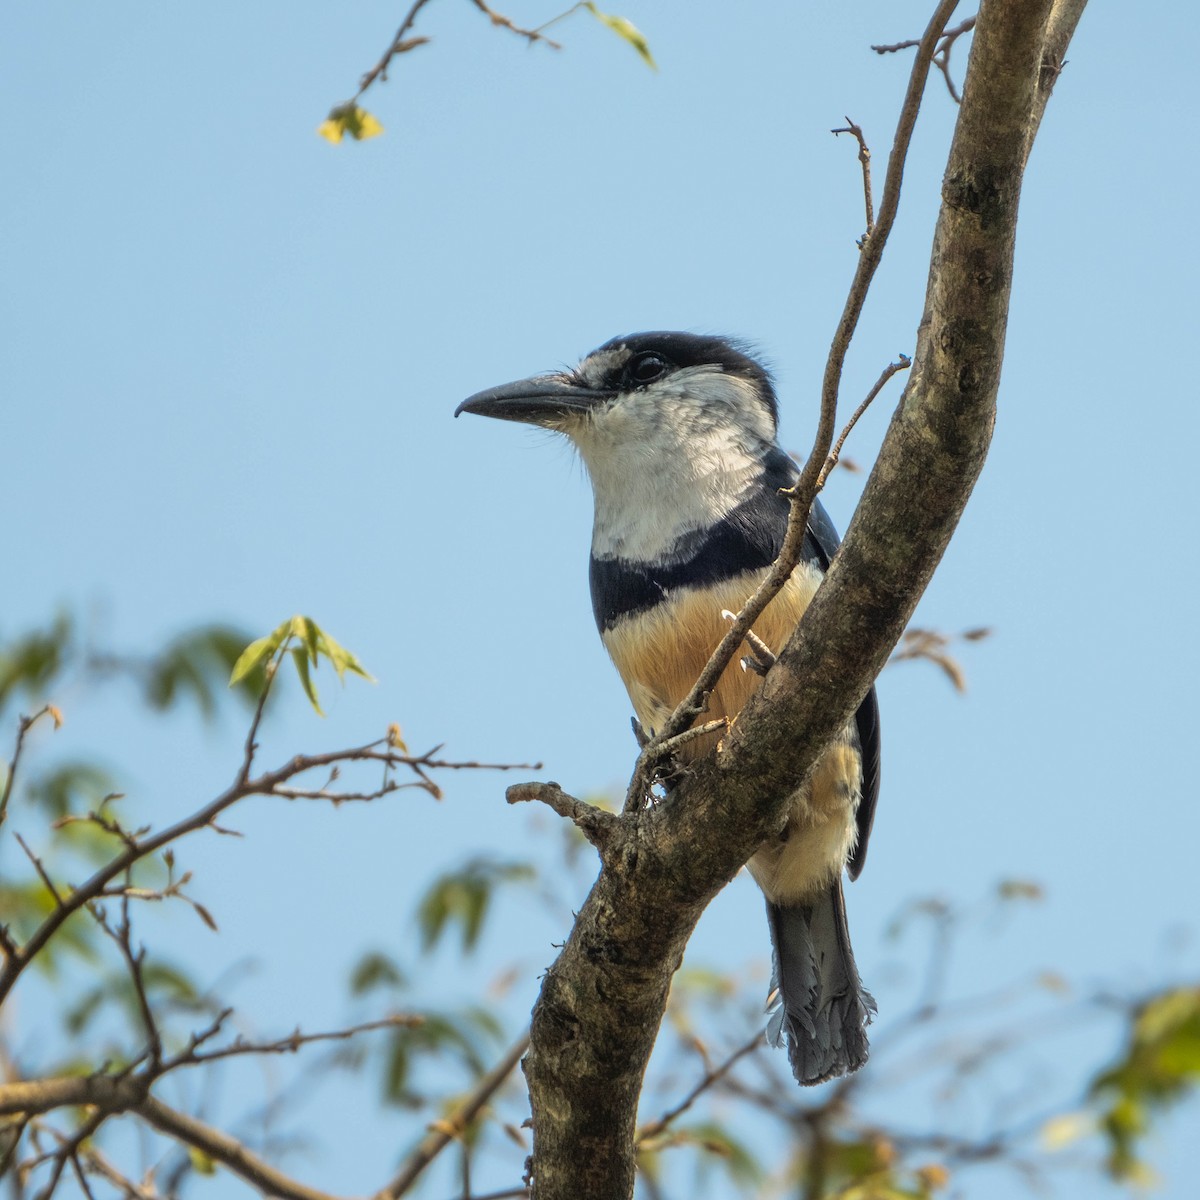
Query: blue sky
{"points": [[231, 353]]}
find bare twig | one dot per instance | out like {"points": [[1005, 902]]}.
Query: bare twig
{"points": [[268, 783], [864, 157], [891, 369], [594, 823], [942, 58], [530, 35], [23, 727], [402, 43], [665, 749], [69, 1149], [712, 1075], [805, 489], [763, 657], [398, 45], [933, 647], [454, 1124], [269, 672], [227, 1150], [99, 1165], [134, 959], [39, 866], [109, 1095], [294, 1041]]}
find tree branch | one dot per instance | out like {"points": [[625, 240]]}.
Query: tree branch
{"points": [[269, 783], [602, 1001], [226, 1150]]}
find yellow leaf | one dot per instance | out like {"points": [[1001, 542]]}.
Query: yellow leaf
{"points": [[627, 31], [349, 120], [201, 1162], [368, 126], [331, 130], [1066, 1128], [933, 1176]]}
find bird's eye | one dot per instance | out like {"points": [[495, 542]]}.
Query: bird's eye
{"points": [[646, 368]]}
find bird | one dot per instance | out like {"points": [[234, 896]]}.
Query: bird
{"points": [[678, 435]]}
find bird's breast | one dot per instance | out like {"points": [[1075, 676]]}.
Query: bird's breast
{"points": [[661, 651]]}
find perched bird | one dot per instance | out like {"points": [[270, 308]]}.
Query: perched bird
{"points": [[677, 432]]}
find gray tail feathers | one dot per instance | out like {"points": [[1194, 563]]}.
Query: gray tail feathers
{"points": [[821, 1004]]}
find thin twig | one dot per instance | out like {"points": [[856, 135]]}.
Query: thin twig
{"points": [[41, 870], [81, 1177], [402, 44], [266, 784], [269, 673], [666, 748], [227, 1150], [864, 157], [85, 1131], [942, 58], [531, 35], [24, 724], [891, 369], [98, 1164], [296, 1040], [122, 935], [397, 46], [454, 1124], [805, 489], [712, 1076]]}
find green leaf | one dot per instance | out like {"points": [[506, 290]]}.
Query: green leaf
{"points": [[465, 1036], [31, 663], [254, 655], [193, 664], [315, 645], [626, 31], [301, 661], [308, 630], [375, 970], [342, 659], [462, 897], [1159, 1068], [71, 787]]}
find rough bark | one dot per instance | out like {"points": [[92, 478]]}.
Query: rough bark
{"points": [[595, 1022]]}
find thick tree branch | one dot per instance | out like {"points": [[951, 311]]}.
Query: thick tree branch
{"points": [[602, 1001]]}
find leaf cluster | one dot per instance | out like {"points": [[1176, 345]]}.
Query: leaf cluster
{"points": [[1159, 1068]]}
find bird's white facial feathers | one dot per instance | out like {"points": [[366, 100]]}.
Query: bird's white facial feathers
{"points": [[670, 459]]}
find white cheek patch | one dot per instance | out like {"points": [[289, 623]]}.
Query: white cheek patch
{"points": [[729, 398]]}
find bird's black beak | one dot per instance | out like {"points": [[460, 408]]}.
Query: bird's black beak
{"points": [[542, 400]]}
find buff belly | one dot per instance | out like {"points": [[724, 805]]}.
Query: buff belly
{"points": [[659, 655]]}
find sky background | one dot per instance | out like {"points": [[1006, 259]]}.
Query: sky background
{"points": [[229, 361]]}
